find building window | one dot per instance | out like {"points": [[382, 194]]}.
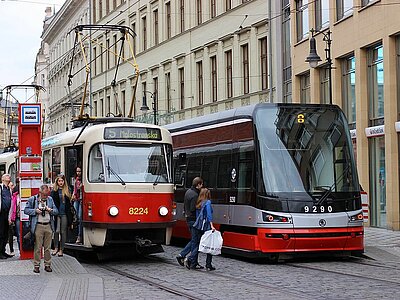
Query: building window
{"points": [[245, 65], [181, 88], [168, 91], [134, 38], [94, 11], [144, 88], [144, 33], [305, 88], [101, 58], [228, 64], [344, 8], [324, 84], [213, 8], [214, 81], [168, 9], [155, 94], [228, 5], [115, 50], [375, 85], [302, 19], [321, 14], [199, 12], [123, 101], [95, 108], [182, 14], [108, 105], [94, 61], [349, 89], [101, 9], [286, 55], [156, 27], [108, 57], [264, 63], [101, 107], [107, 7], [199, 67]]}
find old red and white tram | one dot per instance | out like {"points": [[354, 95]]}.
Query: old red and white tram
{"points": [[126, 173]]}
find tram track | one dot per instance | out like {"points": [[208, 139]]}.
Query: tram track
{"points": [[386, 281], [150, 282], [268, 287]]}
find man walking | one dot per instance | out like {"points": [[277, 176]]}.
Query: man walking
{"points": [[189, 203], [41, 210], [5, 205]]}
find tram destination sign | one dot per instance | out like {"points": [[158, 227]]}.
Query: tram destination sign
{"points": [[132, 133]]}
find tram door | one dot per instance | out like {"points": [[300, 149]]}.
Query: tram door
{"points": [[73, 159]]}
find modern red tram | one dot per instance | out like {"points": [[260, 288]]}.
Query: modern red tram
{"points": [[282, 177], [127, 179]]}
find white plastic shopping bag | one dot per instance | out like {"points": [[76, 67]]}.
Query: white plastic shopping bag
{"points": [[211, 242]]}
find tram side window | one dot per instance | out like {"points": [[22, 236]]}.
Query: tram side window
{"points": [[179, 170], [46, 167], [224, 172], [96, 173], [209, 173], [56, 163], [193, 169]]}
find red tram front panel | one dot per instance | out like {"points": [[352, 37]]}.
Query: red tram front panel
{"points": [[132, 208]]}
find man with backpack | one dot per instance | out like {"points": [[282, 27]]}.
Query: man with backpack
{"points": [[189, 202]]}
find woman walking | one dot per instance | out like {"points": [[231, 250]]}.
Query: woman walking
{"points": [[62, 199], [204, 200], [13, 217]]}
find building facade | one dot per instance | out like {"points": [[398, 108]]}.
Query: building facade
{"points": [[64, 100], [195, 57], [365, 52]]}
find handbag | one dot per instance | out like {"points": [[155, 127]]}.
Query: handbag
{"points": [[211, 242]]}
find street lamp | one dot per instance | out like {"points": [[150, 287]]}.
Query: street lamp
{"points": [[313, 58], [144, 108]]}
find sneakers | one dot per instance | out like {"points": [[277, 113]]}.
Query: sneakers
{"points": [[181, 260], [210, 268], [36, 269], [47, 269]]}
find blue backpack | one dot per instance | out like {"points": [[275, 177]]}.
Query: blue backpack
{"points": [[201, 220]]}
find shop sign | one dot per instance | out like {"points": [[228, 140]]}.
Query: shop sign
{"points": [[375, 131]]}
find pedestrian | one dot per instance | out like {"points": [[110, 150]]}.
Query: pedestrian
{"points": [[16, 202], [77, 198], [204, 200], [12, 217], [62, 199], [41, 210], [5, 205], [189, 202]]}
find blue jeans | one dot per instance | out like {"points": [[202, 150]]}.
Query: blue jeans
{"points": [[78, 209], [188, 246], [194, 255], [16, 232]]}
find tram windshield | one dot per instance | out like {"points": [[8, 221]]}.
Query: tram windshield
{"points": [[131, 163], [305, 150]]}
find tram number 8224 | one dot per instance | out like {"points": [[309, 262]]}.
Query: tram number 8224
{"points": [[318, 209]]}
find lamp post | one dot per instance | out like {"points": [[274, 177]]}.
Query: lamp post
{"points": [[144, 108], [313, 58]]}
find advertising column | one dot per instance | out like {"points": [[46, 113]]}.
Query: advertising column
{"points": [[30, 167]]}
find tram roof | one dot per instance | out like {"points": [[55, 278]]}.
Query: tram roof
{"points": [[243, 112], [8, 155], [68, 137]]}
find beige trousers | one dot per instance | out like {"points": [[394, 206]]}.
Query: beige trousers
{"points": [[43, 235]]}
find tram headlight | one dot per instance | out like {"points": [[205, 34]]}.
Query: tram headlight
{"points": [[356, 218], [163, 211], [113, 211]]}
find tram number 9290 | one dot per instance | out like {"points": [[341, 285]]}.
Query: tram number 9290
{"points": [[318, 209]]}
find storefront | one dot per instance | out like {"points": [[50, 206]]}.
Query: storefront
{"points": [[377, 177]]}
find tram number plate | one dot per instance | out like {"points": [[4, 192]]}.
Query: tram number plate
{"points": [[318, 209], [138, 210]]}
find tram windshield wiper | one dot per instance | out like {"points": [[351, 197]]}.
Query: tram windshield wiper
{"points": [[329, 189], [112, 171]]}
